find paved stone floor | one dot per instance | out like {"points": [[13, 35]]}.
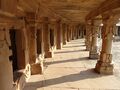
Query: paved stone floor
{"points": [[70, 69]]}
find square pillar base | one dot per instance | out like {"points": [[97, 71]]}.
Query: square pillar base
{"points": [[64, 43], [36, 68], [104, 68], [87, 48], [59, 46], [49, 54], [94, 56]]}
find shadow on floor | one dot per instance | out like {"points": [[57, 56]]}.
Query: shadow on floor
{"points": [[69, 51], [87, 74], [73, 46], [70, 60]]}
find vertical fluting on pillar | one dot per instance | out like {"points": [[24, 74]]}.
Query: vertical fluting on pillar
{"points": [[104, 65], [93, 54]]}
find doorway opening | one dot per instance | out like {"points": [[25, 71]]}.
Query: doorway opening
{"points": [[18, 54]]}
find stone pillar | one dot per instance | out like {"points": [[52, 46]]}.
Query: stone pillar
{"points": [[36, 67], [104, 65], [64, 29], [53, 33], [40, 42], [46, 38], [68, 34], [73, 32], [94, 48], [32, 44], [77, 32], [59, 35], [6, 72], [88, 37]]}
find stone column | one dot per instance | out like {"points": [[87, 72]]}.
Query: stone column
{"points": [[6, 72], [104, 65], [93, 54], [46, 38], [40, 41], [77, 32], [64, 29], [32, 43], [88, 37], [72, 33], [36, 66], [59, 35], [68, 34], [53, 33]]}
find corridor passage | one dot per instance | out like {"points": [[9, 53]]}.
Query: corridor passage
{"points": [[71, 69]]}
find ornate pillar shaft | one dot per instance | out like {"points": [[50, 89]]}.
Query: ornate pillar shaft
{"points": [[94, 48], [88, 37], [104, 65]]}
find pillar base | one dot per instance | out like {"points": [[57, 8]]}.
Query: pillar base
{"points": [[64, 43], [94, 56], [104, 68], [49, 54], [36, 68], [59, 46], [87, 48]]}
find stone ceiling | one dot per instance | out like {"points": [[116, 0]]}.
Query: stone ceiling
{"points": [[70, 10]]}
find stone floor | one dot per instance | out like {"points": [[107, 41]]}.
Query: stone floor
{"points": [[71, 69]]}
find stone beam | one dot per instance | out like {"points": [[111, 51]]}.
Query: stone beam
{"points": [[105, 6]]}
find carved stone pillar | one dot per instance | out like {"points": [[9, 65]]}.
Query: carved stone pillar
{"points": [[36, 67], [53, 34], [72, 33], [104, 65], [32, 44], [64, 29], [59, 36], [88, 37], [94, 48], [46, 38], [68, 34], [77, 33], [6, 72]]}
